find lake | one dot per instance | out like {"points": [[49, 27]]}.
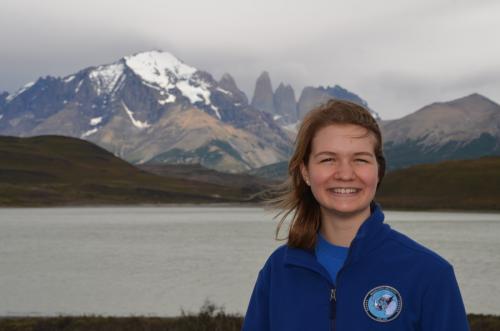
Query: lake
{"points": [[159, 260]]}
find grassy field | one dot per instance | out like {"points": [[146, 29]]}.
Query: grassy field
{"points": [[462, 185], [218, 321], [59, 171]]}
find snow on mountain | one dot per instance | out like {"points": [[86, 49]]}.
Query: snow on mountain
{"points": [[223, 91], [69, 78], [137, 124], [166, 72], [95, 121], [106, 77], [155, 66], [88, 133], [194, 93], [19, 92]]}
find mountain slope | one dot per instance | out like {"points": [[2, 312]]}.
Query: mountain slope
{"points": [[465, 128]]}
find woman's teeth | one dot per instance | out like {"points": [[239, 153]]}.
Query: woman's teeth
{"points": [[345, 190]]}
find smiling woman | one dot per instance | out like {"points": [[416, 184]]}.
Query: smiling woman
{"points": [[343, 268], [342, 174]]}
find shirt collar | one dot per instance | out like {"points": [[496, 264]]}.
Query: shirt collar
{"points": [[369, 236]]}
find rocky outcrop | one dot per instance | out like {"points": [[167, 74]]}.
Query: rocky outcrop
{"points": [[227, 83], [263, 98], [284, 103], [312, 97]]}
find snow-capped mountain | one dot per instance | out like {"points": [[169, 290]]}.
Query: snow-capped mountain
{"points": [[148, 106]]}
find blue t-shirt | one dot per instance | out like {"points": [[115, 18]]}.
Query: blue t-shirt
{"points": [[330, 256]]}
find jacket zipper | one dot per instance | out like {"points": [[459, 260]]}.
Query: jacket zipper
{"points": [[333, 291], [333, 307]]}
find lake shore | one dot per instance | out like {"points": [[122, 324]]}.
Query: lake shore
{"points": [[253, 204], [208, 319]]}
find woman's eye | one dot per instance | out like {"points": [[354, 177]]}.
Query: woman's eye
{"points": [[361, 161], [327, 160]]}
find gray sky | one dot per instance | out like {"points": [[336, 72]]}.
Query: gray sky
{"points": [[399, 55]]}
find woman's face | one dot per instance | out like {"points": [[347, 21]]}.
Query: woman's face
{"points": [[342, 170]]}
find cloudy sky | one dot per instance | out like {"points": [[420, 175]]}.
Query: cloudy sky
{"points": [[399, 55]]}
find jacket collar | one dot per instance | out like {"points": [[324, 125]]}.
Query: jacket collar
{"points": [[370, 235]]}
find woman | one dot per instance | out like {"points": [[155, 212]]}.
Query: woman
{"points": [[342, 268]]}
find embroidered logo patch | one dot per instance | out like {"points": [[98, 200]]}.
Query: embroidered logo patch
{"points": [[383, 303]]}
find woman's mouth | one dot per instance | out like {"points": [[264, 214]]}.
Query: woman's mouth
{"points": [[344, 190]]}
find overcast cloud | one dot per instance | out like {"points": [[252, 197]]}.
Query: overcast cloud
{"points": [[399, 55]]}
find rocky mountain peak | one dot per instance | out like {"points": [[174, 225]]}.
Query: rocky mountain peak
{"points": [[105, 77], [285, 104], [312, 97], [227, 80], [471, 106], [227, 83], [160, 69], [263, 98], [474, 101], [155, 67], [463, 128], [173, 79]]}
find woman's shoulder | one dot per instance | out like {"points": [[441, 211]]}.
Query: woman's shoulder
{"points": [[284, 254], [412, 248], [278, 255]]}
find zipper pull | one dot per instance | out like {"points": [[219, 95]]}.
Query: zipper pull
{"points": [[333, 295], [333, 306]]}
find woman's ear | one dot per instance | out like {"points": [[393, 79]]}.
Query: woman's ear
{"points": [[305, 173]]}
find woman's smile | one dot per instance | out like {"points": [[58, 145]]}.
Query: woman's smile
{"points": [[347, 191]]}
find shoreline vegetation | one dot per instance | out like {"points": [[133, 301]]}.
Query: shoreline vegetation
{"points": [[209, 318]]}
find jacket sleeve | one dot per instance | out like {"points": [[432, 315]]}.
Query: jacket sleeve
{"points": [[257, 316], [442, 307]]}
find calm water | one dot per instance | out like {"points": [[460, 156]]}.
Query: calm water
{"points": [[155, 261]]}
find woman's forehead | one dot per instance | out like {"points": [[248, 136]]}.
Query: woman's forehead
{"points": [[344, 137]]}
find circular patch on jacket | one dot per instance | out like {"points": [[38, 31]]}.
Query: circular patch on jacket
{"points": [[383, 303]]}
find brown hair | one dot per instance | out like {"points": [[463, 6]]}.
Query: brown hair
{"points": [[294, 196]]}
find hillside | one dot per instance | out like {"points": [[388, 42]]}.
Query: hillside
{"points": [[461, 184], [245, 183], [465, 128], [56, 170]]}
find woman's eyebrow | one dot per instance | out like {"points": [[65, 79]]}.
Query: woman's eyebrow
{"points": [[364, 153], [328, 153], [324, 153]]}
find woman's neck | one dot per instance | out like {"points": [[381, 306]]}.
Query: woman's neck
{"points": [[340, 230]]}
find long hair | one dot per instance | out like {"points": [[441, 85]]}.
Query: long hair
{"points": [[294, 196]]}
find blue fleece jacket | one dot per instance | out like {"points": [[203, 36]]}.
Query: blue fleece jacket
{"points": [[388, 282]]}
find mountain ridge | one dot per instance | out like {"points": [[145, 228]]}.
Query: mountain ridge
{"points": [[127, 104], [463, 128]]}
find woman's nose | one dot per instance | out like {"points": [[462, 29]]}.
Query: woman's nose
{"points": [[344, 171]]}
